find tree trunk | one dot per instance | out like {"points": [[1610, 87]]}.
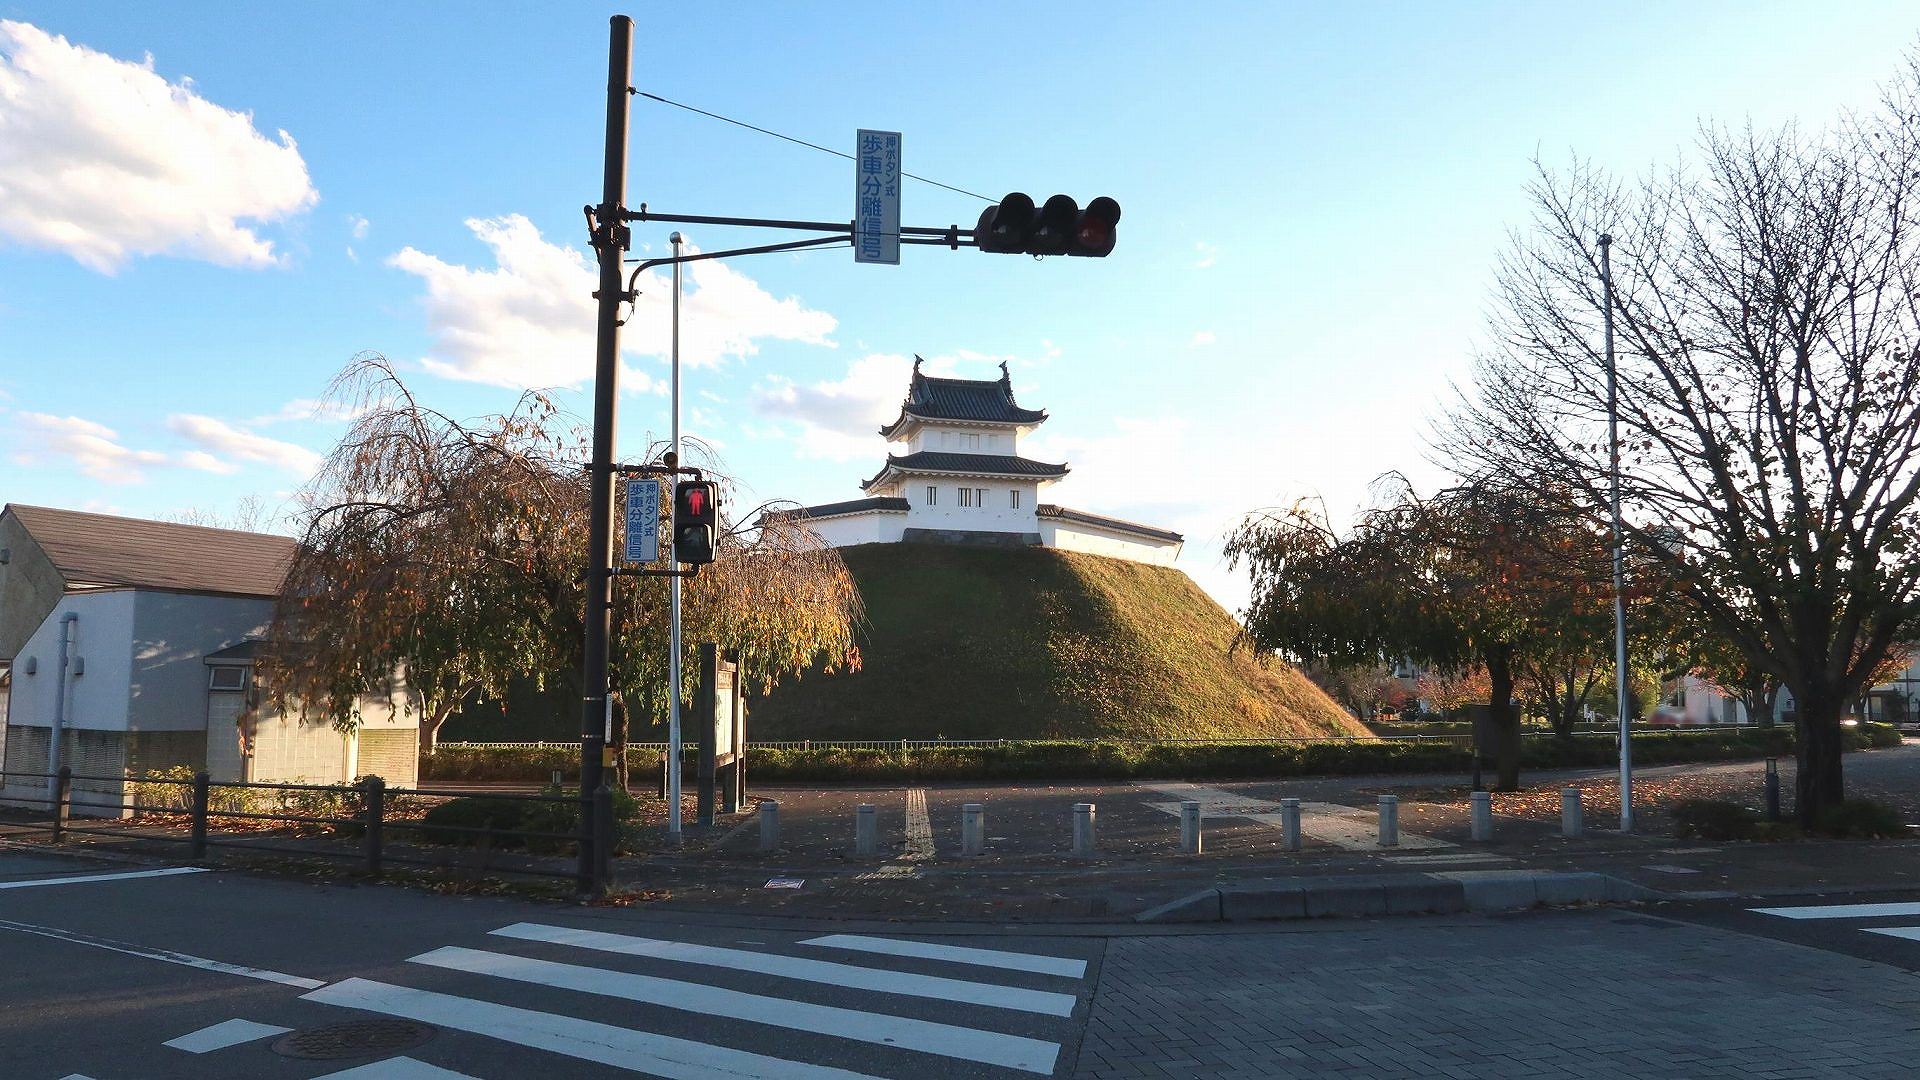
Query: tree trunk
{"points": [[1818, 782], [1506, 722], [620, 742], [1567, 714]]}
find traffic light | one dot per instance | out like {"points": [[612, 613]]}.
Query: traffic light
{"points": [[1058, 227], [696, 521]]}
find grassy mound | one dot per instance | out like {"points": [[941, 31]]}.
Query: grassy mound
{"points": [[1034, 643]]}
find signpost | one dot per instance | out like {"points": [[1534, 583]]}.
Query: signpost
{"points": [[643, 520], [876, 198]]}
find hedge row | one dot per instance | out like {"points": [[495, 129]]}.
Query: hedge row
{"points": [[1095, 760]]}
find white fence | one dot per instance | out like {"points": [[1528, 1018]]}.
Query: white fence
{"points": [[1462, 740]]}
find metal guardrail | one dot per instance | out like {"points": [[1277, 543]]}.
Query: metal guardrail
{"points": [[364, 807]]}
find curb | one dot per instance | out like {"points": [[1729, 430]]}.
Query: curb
{"points": [[1441, 893]]}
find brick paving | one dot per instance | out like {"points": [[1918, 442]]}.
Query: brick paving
{"points": [[1572, 994]]}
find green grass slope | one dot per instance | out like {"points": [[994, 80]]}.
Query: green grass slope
{"points": [[1026, 643]]}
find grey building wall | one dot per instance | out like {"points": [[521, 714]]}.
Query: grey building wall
{"points": [[29, 587], [172, 635]]}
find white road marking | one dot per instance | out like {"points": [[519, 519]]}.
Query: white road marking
{"points": [[1348, 827], [85, 879], [1910, 933], [1011, 961], [797, 967], [924, 1036], [1840, 911], [182, 959], [222, 1035], [400, 1068], [587, 1040], [1667, 868]]}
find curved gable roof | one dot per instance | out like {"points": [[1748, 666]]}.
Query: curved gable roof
{"points": [[988, 401]]}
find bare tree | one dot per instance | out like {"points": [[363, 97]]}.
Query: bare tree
{"points": [[1768, 312]]}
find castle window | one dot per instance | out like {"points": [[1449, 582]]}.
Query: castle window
{"points": [[1013, 498], [933, 495], [980, 497], [966, 497], [973, 442]]}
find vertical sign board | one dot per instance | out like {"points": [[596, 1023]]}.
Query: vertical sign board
{"points": [[876, 198], [643, 520]]}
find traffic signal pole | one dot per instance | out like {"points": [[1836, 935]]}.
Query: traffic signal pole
{"points": [[1014, 226], [610, 241]]}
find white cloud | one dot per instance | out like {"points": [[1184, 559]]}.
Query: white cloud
{"points": [[104, 160], [1201, 337], [307, 409], [220, 444], [529, 320], [1204, 254], [358, 226], [94, 449]]}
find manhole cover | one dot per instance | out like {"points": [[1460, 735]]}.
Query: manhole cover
{"points": [[359, 1038]]}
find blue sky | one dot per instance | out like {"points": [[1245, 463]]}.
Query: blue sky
{"points": [[1315, 197]]}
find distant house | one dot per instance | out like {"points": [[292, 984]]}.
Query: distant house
{"points": [[1691, 699], [136, 642], [962, 480]]}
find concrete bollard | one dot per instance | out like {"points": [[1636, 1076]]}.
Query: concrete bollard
{"points": [[769, 825], [1389, 821], [1190, 827], [1482, 816], [973, 828], [1290, 824], [1572, 822], [1083, 828], [866, 830]]}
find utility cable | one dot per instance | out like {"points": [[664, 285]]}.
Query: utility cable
{"points": [[799, 142]]}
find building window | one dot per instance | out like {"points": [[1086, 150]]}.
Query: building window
{"points": [[1013, 498], [980, 497], [227, 678], [933, 495], [973, 442], [966, 496]]}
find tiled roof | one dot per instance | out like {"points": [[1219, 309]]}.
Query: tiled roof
{"points": [[851, 506], [1048, 510], [970, 464], [987, 401], [98, 549]]}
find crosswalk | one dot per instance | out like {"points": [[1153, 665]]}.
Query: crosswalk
{"points": [[826, 1007], [1863, 913]]}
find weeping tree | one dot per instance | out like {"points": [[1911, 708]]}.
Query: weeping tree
{"points": [[441, 560], [1767, 307], [1476, 578]]}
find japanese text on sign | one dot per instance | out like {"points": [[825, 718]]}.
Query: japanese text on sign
{"points": [[643, 520], [876, 198]]}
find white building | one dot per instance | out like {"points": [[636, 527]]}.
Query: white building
{"points": [[960, 478], [158, 624]]}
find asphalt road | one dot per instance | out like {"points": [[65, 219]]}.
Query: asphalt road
{"points": [[116, 971]]}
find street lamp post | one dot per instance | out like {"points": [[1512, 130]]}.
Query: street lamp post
{"points": [[1619, 574], [674, 750]]}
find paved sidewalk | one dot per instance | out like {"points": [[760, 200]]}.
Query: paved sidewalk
{"points": [[1028, 873], [1573, 994]]}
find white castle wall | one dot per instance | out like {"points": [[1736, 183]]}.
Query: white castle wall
{"points": [[1074, 536]]}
